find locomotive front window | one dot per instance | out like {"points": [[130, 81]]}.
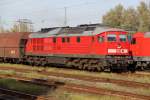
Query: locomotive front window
{"points": [[111, 37], [123, 38]]}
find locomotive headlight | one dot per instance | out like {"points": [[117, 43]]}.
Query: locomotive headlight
{"points": [[123, 50]]}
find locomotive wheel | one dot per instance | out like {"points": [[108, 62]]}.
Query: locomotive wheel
{"points": [[132, 68], [85, 66], [43, 62], [89, 68], [99, 69], [69, 64], [80, 66]]}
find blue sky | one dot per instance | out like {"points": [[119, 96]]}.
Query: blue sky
{"points": [[48, 13]]}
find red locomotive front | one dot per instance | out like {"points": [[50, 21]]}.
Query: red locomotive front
{"points": [[114, 44]]}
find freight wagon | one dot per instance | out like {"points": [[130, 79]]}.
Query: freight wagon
{"points": [[12, 46]]}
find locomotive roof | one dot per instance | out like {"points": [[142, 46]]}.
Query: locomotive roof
{"points": [[147, 34], [141, 34], [83, 30]]}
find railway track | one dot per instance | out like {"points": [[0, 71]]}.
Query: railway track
{"points": [[100, 91], [137, 73], [18, 94], [8, 94], [84, 89], [99, 79], [83, 77], [8, 97]]}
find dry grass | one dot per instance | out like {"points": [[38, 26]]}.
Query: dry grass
{"points": [[64, 95]]}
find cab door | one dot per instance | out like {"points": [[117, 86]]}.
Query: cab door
{"points": [[99, 46], [124, 43], [22, 47], [112, 43]]}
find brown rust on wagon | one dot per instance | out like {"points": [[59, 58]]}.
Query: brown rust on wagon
{"points": [[12, 45]]}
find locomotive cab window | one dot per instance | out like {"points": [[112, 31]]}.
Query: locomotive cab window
{"points": [[92, 39], [122, 38], [101, 39], [63, 40], [111, 37], [68, 39]]}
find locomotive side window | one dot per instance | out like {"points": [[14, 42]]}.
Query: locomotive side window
{"points": [[68, 39], [133, 41], [78, 39], [54, 40], [63, 39], [111, 37], [100, 39], [122, 38], [92, 39]]}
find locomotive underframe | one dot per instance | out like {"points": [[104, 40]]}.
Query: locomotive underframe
{"points": [[84, 62]]}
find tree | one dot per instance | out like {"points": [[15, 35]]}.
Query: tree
{"points": [[2, 29], [23, 25], [144, 17], [114, 16], [130, 19], [15, 28]]}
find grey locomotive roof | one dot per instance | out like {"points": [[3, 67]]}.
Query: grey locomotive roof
{"points": [[147, 34], [47, 34], [74, 31]]}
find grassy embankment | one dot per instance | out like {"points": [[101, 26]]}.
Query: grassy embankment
{"points": [[64, 95]]}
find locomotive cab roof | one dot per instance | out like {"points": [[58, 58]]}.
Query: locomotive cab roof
{"points": [[147, 34], [142, 34]]}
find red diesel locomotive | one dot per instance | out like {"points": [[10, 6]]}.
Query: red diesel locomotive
{"points": [[91, 47]]}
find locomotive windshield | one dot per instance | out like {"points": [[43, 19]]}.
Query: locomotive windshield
{"points": [[111, 37], [123, 38]]}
